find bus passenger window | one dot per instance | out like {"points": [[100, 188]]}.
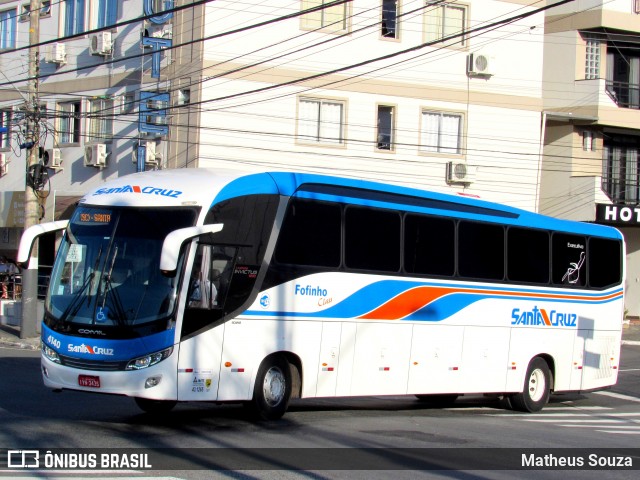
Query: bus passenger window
{"points": [[605, 262], [429, 245], [528, 255], [481, 250], [568, 253], [310, 234], [372, 239]]}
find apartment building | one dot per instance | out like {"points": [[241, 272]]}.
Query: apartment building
{"points": [[592, 121], [446, 95]]}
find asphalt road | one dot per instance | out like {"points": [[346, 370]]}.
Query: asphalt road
{"points": [[34, 417]]}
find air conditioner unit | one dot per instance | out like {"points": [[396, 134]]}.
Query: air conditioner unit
{"points": [[56, 53], [52, 158], [100, 43], [4, 167], [151, 157], [95, 155], [479, 65], [460, 172]]}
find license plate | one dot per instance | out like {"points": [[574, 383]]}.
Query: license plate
{"points": [[89, 381]]}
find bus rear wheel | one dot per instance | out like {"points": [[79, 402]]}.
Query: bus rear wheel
{"points": [[537, 388], [155, 406], [272, 390]]}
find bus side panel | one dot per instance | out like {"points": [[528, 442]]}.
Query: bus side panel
{"points": [[247, 342], [529, 342], [484, 359], [601, 358], [329, 364], [347, 352], [199, 366], [436, 355], [381, 362]]}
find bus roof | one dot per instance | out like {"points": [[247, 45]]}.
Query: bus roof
{"points": [[205, 187]]}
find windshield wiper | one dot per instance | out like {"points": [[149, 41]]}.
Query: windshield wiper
{"points": [[75, 304], [121, 315]]}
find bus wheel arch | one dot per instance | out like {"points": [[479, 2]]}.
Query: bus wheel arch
{"points": [[537, 387], [273, 387]]}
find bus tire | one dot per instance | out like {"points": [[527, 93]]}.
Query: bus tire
{"points": [[155, 406], [272, 390], [438, 400], [537, 388]]}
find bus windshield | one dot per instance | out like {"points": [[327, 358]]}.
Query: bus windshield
{"points": [[107, 269]]}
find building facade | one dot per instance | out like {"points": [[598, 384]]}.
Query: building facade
{"points": [[493, 98], [592, 121]]}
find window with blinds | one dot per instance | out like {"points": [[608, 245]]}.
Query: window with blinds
{"points": [[320, 121], [441, 132]]}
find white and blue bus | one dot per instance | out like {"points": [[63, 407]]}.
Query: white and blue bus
{"points": [[204, 285]]}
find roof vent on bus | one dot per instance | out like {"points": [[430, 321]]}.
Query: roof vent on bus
{"points": [[460, 172]]}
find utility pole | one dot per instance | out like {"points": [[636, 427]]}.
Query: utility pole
{"points": [[29, 320]]}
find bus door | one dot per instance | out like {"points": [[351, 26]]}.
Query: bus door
{"points": [[202, 327]]}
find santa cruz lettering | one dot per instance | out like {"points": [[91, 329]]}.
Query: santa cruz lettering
{"points": [[165, 192], [540, 316], [89, 349]]}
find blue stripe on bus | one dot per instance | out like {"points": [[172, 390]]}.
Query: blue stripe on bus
{"points": [[377, 294], [90, 348]]}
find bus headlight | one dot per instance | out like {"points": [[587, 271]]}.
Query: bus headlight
{"points": [[50, 353], [149, 360]]}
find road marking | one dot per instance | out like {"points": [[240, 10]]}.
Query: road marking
{"points": [[630, 370], [555, 420], [619, 396], [619, 432], [626, 427]]}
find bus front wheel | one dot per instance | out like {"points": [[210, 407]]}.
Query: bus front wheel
{"points": [[155, 406], [537, 388], [272, 390]]}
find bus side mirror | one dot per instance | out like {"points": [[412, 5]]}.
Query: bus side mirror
{"points": [[174, 241], [29, 237]]}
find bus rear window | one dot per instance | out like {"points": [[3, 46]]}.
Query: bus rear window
{"points": [[605, 266]]}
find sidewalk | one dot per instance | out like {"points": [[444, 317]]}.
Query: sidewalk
{"points": [[10, 336]]}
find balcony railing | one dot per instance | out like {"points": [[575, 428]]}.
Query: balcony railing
{"points": [[626, 95]]}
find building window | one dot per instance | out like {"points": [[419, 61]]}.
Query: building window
{"points": [[128, 103], [8, 29], [74, 15], [441, 132], [5, 123], [592, 58], [444, 20], [332, 19], [623, 75], [107, 13], [385, 138], [100, 120], [321, 121], [69, 123], [25, 12], [588, 141], [389, 28], [620, 179]]}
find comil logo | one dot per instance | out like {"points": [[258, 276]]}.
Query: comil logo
{"points": [[148, 190], [540, 316]]}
